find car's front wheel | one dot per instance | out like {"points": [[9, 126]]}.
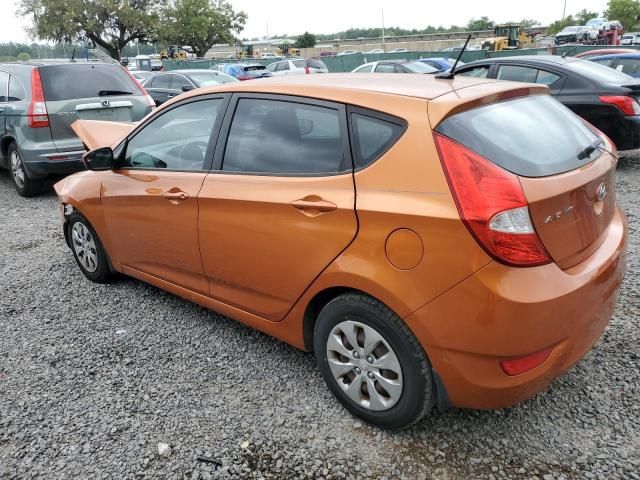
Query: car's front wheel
{"points": [[372, 362], [87, 249], [23, 183]]}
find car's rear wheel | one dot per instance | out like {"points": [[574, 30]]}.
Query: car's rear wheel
{"points": [[23, 183], [87, 249], [372, 362]]}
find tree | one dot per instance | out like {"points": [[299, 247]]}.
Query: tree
{"points": [[23, 56], [201, 24], [529, 22], [625, 11], [483, 23], [111, 24], [584, 15], [306, 40], [558, 25]]}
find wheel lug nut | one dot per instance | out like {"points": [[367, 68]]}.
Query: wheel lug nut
{"points": [[358, 371], [370, 359], [371, 375], [356, 354]]}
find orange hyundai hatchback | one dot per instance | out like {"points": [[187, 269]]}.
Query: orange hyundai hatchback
{"points": [[435, 242]]}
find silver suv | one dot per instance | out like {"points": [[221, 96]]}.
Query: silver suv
{"points": [[40, 101]]}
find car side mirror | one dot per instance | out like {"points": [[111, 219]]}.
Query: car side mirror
{"points": [[99, 159], [187, 88]]}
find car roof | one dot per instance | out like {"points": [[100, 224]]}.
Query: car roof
{"points": [[617, 55], [536, 59], [187, 71], [341, 85]]}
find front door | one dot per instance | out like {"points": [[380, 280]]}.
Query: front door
{"points": [[280, 207], [150, 200]]}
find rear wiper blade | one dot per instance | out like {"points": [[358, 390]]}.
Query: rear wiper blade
{"points": [[589, 149], [105, 93]]}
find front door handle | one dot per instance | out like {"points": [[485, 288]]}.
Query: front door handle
{"points": [[313, 202], [175, 195]]}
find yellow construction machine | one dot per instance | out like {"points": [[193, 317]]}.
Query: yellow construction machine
{"points": [[508, 36]]}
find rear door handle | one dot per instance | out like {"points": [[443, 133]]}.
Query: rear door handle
{"points": [[175, 195], [314, 202]]}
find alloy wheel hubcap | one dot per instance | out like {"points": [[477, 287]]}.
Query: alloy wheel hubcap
{"points": [[16, 169], [364, 365], [85, 247]]}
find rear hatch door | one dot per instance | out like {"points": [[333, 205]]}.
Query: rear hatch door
{"points": [[89, 91], [564, 168]]}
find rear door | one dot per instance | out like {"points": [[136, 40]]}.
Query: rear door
{"points": [[279, 207], [565, 170], [89, 91], [159, 87]]}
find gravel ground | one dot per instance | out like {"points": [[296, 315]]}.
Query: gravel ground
{"points": [[94, 377]]}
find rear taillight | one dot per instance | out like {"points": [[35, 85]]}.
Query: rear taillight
{"points": [[492, 205], [244, 77], [37, 113], [152, 102], [519, 365], [627, 105]]}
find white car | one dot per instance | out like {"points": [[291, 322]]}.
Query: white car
{"points": [[271, 56], [297, 66], [374, 51], [348, 52], [399, 50], [395, 66]]}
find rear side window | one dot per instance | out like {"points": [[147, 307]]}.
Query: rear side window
{"points": [[161, 81], [526, 74], [532, 136], [284, 138], [630, 66], [16, 90], [4, 84], [478, 72], [65, 82], [315, 63], [385, 68], [373, 136]]}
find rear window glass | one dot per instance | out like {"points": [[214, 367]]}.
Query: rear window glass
{"points": [[300, 63], [532, 136], [597, 72], [65, 82], [373, 136]]}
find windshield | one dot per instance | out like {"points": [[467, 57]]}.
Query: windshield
{"points": [[595, 22], [598, 72], [532, 136], [210, 78], [419, 67], [569, 30]]}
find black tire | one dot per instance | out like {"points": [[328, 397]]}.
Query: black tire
{"points": [[102, 272], [417, 397], [24, 184]]}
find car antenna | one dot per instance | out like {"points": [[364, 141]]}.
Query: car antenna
{"points": [[452, 73]]}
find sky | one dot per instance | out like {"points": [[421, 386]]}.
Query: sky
{"points": [[293, 17]]}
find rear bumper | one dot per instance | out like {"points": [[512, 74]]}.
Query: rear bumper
{"points": [[42, 164], [629, 136], [502, 312]]}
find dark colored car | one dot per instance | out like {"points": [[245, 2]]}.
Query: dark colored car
{"points": [[604, 97], [246, 71], [628, 63], [571, 34], [165, 86], [40, 100]]}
